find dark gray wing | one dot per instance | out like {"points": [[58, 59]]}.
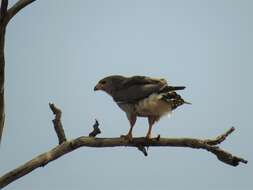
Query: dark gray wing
{"points": [[138, 87], [136, 92]]}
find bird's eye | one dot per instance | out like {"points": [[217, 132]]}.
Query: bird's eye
{"points": [[102, 82]]}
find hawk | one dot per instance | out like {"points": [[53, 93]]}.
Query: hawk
{"points": [[142, 96]]}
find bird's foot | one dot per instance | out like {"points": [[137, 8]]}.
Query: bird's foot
{"points": [[148, 137], [128, 137]]}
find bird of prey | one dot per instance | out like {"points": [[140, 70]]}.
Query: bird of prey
{"points": [[142, 96]]}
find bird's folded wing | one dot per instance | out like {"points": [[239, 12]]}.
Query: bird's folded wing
{"points": [[136, 92]]}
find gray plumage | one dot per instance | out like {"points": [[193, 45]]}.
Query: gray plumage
{"points": [[142, 96]]}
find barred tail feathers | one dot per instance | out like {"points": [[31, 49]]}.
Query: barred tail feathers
{"points": [[174, 99]]}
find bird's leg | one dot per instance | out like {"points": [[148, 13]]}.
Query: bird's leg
{"points": [[132, 120], [151, 121]]}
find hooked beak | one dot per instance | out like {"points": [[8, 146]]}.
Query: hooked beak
{"points": [[98, 87]]}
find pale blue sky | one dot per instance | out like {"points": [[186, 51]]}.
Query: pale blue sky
{"points": [[56, 51]]}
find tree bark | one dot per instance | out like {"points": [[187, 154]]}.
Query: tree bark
{"points": [[2, 75], [5, 16], [2, 67]]}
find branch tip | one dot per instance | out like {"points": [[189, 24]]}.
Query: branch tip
{"points": [[229, 158], [219, 139], [142, 149], [96, 129], [54, 109], [57, 123]]}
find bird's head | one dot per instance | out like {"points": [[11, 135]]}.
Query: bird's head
{"points": [[109, 84]]}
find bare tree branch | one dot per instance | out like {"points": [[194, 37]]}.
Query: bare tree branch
{"points": [[68, 146], [142, 149], [57, 123], [4, 6], [96, 129], [2, 73], [17, 7], [220, 138], [5, 16]]}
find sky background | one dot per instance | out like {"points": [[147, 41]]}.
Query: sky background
{"points": [[56, 51]]}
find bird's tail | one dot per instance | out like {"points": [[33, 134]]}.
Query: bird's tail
{"points": [[172, 88], [174, 99], [177, 88]]}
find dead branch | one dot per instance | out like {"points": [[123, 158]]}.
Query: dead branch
{"points": [[220, 138], [142, 149], [57, 123], [96, 129], [17, 7], [68, 146], [4, 6], [141, 142], [5, 16]]}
